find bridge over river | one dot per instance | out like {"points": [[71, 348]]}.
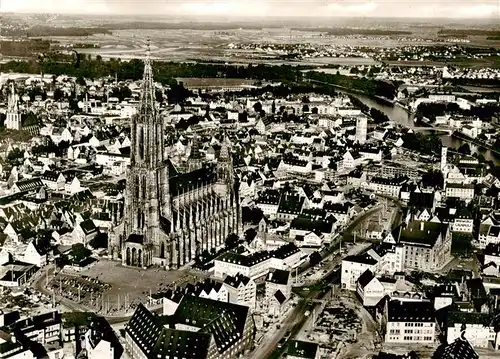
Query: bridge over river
{"points": [[446, 130]]}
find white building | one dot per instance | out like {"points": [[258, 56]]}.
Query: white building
{"points": [[361, 129], [241, 290], [409, 322], [353, 267], [462, 191], [477, 327], [369, 289], [101, 341]]}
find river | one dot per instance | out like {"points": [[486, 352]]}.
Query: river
{"points": [[401, 116]]}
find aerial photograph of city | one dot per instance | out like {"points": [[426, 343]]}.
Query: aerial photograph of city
{"points": [[253, 179]]}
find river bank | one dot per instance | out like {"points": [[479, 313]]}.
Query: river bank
{"points": [[400, 115]]}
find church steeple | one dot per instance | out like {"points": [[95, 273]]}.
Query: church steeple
{"points": [[147, 107], [195, 160], [13, 118], [224, 150], [147, 126], [12, 105]]}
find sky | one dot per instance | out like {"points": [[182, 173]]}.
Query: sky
{"points": [[459, 9]]}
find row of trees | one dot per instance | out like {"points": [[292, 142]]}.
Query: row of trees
{"points": [[425, 144], [164, 72], [370, 87], [431, 110]]}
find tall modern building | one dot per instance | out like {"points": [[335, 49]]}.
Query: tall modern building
{"points": [[361, 129], [172, 216], [13, 118]]}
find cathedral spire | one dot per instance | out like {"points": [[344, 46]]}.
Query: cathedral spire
{"points": [[13, 98], [147, 105], [225, 148], [195, 148]]}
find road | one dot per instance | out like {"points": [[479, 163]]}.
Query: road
{"points": [[296, 319], [293, 323]]}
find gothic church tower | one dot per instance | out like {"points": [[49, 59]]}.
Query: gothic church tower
{"points": [[146, 178], [13, 119]]}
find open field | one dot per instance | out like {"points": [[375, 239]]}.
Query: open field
{"points": [[212, 45]]}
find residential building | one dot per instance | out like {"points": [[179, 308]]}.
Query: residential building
{"points": [[101, 341], [241, 290], [427, 245], [478, 327], [353, 267], [278, 290], [257, 264], [461, 191], [369, 289], [200, 328], [408, 322]]}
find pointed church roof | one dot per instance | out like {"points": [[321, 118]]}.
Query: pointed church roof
{"points": [[147, 106], [195, 148], [12, 105], [224, 150]]}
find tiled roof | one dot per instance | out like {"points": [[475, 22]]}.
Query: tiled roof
{"points": [[225, 321], [365, 278], [101, 330], [29, 184], [235, 281], [422, 233], [400, 311], [279, 277]]}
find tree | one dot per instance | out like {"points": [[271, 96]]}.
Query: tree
{"points": [[232, 240], [99, 241], [315, 258], [15, 155], [79, 252], [80, 81], [433, 179], [464, 149], [250, 234], [257, 107]]}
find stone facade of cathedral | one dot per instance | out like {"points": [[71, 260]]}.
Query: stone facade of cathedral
{"points": [[172, 216]]}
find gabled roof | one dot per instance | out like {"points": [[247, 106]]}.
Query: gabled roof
{"points": [[460, 348], [365, 278], [422, 233], [237, 280], [29, 184], [88, 227], [101, 330], [279, 277], [280, 297], [225, 321], [399, 311]]}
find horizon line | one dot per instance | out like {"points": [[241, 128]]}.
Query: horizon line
{"points": [[250, 17]]}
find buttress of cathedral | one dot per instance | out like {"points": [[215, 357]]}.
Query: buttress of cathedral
{"points": [[172, 216]]}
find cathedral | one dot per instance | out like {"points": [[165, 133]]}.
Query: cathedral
{"points": [[13, 118], [172, 216]]}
